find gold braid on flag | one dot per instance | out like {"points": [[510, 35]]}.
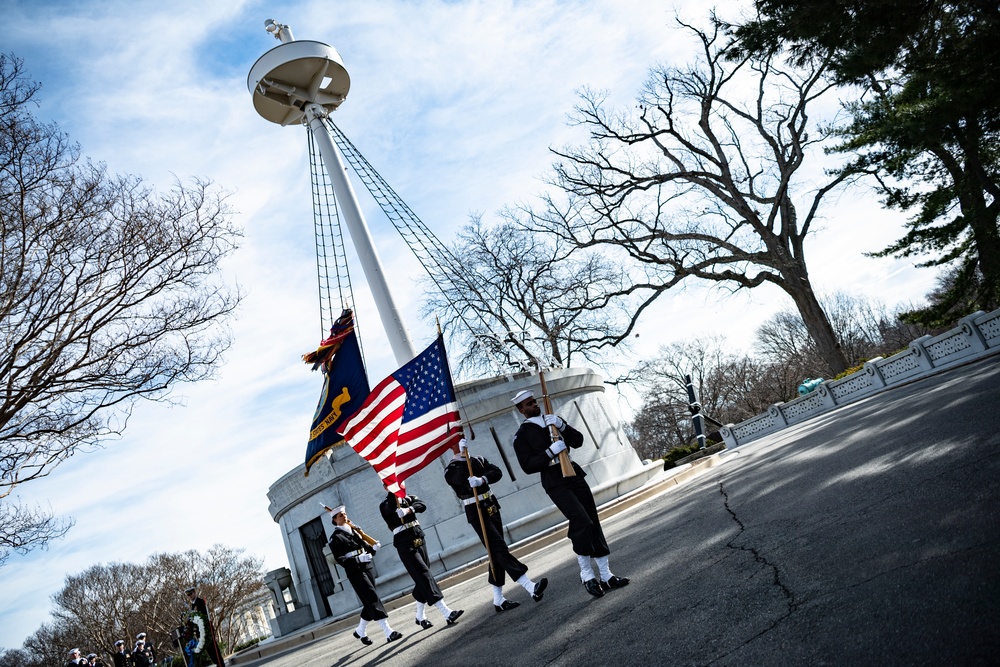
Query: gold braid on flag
{"points": [[328, 347]]}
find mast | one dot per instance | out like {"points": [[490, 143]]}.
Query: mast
{"points": [[302, 82]]}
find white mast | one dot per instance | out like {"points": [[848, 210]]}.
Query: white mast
{"points": [[302, 82]]}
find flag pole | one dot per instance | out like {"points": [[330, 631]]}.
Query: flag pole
{"points": [[565, 465], [468, 462], [479, 511]]}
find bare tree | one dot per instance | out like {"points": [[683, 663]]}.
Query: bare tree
{"points": [[23, 528], [229, 582], [732, 386], [16, 657], [865, 327], [110, 292], [525, 296], [703, 180], [721, 379], [107, 602], [101, 604], [49, 645]]}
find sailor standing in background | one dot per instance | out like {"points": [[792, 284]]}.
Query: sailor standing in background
{"points": [[477, 486], [409, 540], [120, 657], [355, 555], [150, 649], [141, 657], [537, 453], [199, 605]]}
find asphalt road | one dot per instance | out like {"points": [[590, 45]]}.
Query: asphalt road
{"points": [[867, 536]]}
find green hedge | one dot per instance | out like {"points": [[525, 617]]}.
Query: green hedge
{"points": [[669, 461]]}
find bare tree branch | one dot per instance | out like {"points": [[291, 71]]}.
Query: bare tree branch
{"points": [[525, 297], [704, 180], [110, 292]]}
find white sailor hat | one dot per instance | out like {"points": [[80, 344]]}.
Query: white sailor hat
{"points": [[522, 395], [339, 509], [141, 635], [73, 650], [189, 591], [91, 655], [119, 643]]}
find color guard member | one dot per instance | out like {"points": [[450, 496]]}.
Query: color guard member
{"points": [[538, 452]]}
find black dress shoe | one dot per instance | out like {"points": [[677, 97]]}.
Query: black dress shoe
{"points": [[605, 586], [425, 624], [594, 588], [453, 616], [618, 582], [507, 605], [536, 595], [364, 640], [394, 636]]}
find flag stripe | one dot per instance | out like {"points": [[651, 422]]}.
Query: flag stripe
{"points": [[426, 435], [377, 415], [408, 420]]}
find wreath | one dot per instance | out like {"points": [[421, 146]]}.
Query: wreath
{"points": [[194, 653]]}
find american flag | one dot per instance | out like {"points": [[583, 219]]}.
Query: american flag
{"points": [[408, 420]]}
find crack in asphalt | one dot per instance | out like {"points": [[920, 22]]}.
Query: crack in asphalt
{"points": [[791, 601], [786, 591]]}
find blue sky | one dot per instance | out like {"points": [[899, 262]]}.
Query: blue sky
{"points": [[455, 103]]}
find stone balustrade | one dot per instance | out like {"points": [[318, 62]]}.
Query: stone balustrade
{"points": [[976, 335]]}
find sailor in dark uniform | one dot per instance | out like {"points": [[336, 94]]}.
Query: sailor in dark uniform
{"points": [[150, 649], [75, 658], [400, 516], [354, 554], [141, 657], [538, 453], [199, 605], [477, 486], [120, 657]]}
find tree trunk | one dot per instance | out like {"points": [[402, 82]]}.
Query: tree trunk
{"points": [[983, 222], [975, 186], [816, 322]]}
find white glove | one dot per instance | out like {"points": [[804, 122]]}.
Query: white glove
{"points": [[555, 420], [462, 445], [401, 512], [557, 447], [476, 481], [365, 558]]}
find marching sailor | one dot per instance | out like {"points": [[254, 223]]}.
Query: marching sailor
{"points": [[409, 540], [538, 452], [354, 553], [469, 489]]}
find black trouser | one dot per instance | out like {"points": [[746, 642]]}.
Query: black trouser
{"points": [[362, 580], [415, 560], [574, 499], [503, 560]]}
